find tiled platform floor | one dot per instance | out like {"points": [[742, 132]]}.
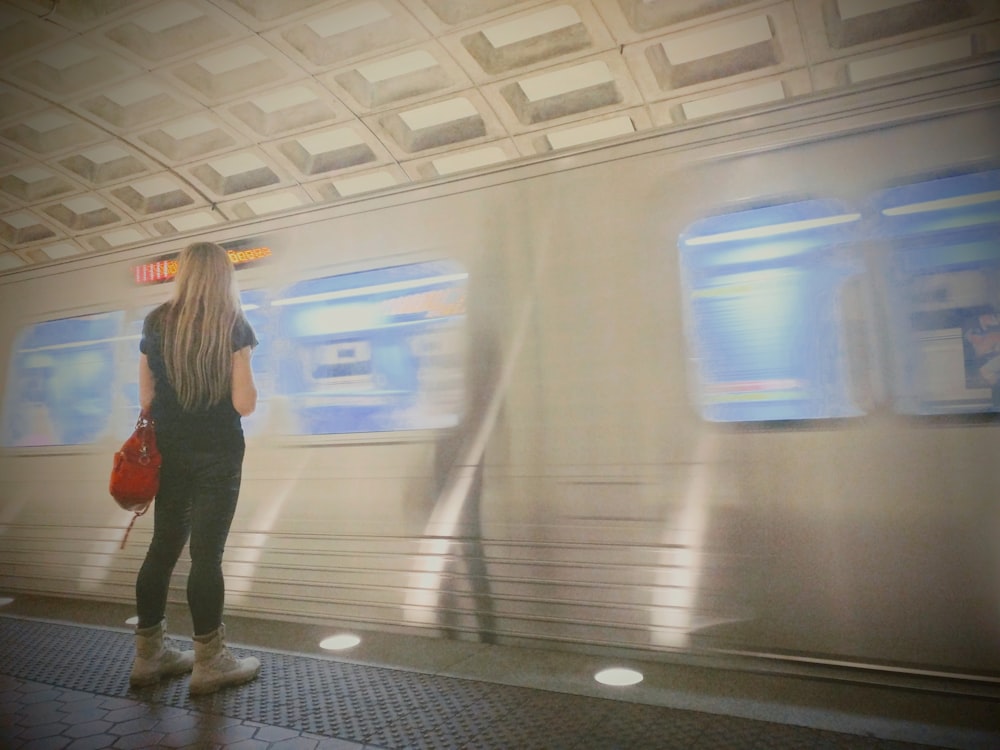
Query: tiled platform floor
{"points": [[65, 685]]}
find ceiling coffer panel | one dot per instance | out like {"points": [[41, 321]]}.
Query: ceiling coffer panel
{"points": [[540, 36], [348, 31], [237, 70], [50, 131], [70, 67], [23, 228], [83, 213], [104, 164], [277, 112], [34, 183], [650, 15], [171, 29], [135, 103], [397, 78], [154, 195]]}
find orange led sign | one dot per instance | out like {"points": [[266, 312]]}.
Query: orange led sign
{"points": [[164, 269]]}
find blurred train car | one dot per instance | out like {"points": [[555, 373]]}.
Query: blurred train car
{"points": [[727, 389]]}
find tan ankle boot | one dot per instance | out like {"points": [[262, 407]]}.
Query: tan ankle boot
{"points": [[155, 660], [215, 666]]}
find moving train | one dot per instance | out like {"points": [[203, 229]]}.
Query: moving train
{"points": [[724, 390]]}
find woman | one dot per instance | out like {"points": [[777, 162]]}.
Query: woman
{"points": [[196, 381]]}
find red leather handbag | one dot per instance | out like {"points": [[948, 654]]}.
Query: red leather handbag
{"points": [[135, 475]]}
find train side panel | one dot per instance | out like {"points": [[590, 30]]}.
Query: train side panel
{"points": [[589, 495]]}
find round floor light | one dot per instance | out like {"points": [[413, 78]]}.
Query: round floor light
{"points": [[5, 600], [133, 620], [339, 642], [618, 677]]}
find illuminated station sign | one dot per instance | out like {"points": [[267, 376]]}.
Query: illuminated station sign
{"points": [[165, 268]]}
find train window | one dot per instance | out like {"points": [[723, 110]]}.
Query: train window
{"points": [[61, 375], [774, 313], [940, 258], [373, 351]]}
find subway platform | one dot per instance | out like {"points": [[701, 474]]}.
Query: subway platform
{"points": [[64, 667]]}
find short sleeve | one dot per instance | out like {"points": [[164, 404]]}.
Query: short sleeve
{"points": [[243, 335]]}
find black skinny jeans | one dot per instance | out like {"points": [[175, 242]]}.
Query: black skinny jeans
{"points": [[196, 501]]}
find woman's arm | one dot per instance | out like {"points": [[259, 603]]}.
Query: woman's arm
{"points": [[147, 385], [244, 388]]}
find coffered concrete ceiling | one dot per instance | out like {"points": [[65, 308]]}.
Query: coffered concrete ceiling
{"points": [[126, 120]]}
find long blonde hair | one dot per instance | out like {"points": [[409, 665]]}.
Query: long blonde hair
{"points": [[198, 327]]}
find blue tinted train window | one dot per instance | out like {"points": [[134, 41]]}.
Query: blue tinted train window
{"points": [[373, 351], [60, 384], [939, 251], [770, 334]]}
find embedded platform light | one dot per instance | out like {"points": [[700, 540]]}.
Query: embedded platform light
{"points": [[340, 642], [943, 204], [773, 230], [618, 677], [5, 600], [133, 620]]}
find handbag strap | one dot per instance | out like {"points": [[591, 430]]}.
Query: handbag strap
{"points": [[132, 523]]}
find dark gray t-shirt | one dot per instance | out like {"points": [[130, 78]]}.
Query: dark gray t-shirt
{"points": [[217, 427]]}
